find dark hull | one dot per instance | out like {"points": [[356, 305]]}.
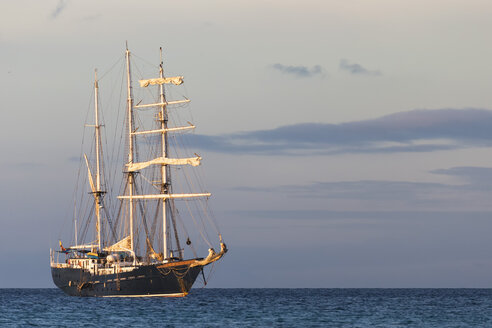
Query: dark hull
{"points": [[144, 280]]}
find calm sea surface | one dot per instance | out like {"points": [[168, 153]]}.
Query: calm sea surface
{"points": [[253, 308]]}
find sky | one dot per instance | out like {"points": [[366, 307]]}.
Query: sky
{"points": [[346, 143]]}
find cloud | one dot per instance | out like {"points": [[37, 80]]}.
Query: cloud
{"points": [[479, 177], [359, 190], [472, 194], [356, 69], [62, 4], [412, 131], [300, 71], [364, 215]]}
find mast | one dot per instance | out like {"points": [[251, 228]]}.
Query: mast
{"points": [[163, 161], [130, 147], [75, 221], [75, 232], [97, 193], [164, 169]]}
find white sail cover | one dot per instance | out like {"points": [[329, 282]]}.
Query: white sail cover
{"points": [[193, 161], [176, 80], [122, 245]]}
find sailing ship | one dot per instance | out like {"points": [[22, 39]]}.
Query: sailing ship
{"points": [[126, 256]]}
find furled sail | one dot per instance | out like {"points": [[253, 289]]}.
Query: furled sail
{"points": [[123, 245], [179, 128], [165, 196], [176, 80], [193, 161]]}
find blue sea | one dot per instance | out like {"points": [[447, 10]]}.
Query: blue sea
{"points": [[253, 308]]}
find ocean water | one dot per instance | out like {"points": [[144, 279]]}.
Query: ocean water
{"points": [[253, 308]]}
